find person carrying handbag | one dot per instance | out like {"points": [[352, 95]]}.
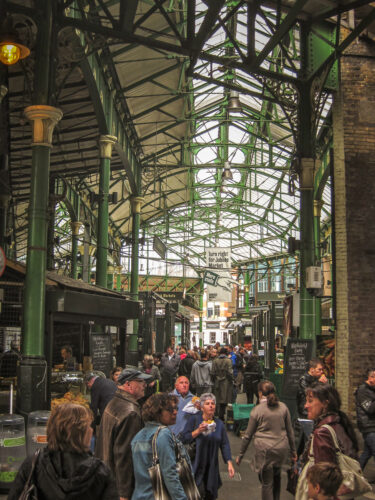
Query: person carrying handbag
{"points": [[333, 440], [162, 482]]}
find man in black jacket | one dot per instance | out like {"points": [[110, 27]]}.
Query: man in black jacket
{"points": [[186, 365], [365, 399], [102, 391]]}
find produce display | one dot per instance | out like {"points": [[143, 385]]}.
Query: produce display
{"points": [[70, 397]]}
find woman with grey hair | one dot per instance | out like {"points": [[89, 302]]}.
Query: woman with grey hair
{"points": [[210, 436]]}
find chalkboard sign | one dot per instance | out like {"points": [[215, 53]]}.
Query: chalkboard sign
{"points": [[298, 353], [101, 352]]}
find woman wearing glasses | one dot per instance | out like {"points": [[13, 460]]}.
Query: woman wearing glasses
{"points": [[159, 410]]}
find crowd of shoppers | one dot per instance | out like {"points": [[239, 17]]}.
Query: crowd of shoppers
{"points": [[180, 398]]}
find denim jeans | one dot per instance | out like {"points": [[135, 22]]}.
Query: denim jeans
{"points": [[369, 450]]}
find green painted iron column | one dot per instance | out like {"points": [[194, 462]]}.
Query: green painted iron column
{"points": [[105, 143], [32, 370], [306, 158], [318, 204], [307, 254], [136, 205], [32, 388], [75, 225]]}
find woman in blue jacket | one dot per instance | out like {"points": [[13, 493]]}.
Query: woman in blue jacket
{"points": [[159, 410], [210, 435]]}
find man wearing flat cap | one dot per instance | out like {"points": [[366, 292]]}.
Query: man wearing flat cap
{"points": [[120, 422]]}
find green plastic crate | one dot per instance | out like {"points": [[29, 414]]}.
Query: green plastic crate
{"points": [[241, 412]]}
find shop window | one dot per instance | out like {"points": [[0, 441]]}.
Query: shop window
{"points": [[212, 337]]}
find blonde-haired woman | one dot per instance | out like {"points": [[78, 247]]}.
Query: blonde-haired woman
{"points": [[65, 468]]}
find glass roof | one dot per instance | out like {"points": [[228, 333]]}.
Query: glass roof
{"points": [[250, 208]]}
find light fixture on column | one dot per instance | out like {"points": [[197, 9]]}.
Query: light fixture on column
{"points": [[11, 49], [234, 103], [227, 173]]}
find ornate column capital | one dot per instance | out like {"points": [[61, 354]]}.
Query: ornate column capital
{"points": [[119, 269], [44, 119], [318, 204], [106, 143], [75, 225], [136, 203]]}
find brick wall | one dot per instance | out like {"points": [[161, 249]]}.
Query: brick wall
{"points": [[354, 172]]}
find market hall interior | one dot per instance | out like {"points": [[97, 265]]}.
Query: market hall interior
{"points": [[185, 173]]}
